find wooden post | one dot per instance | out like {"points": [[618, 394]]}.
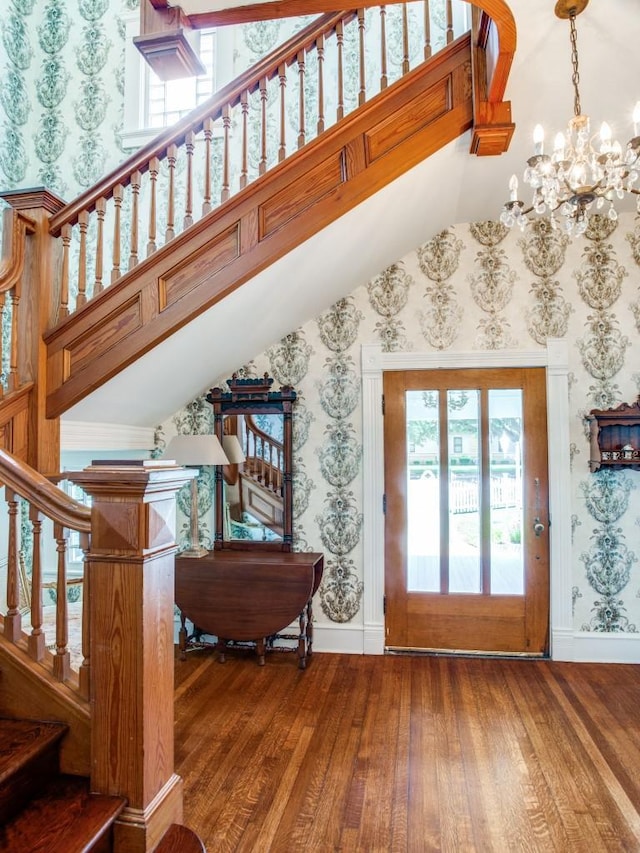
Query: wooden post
{"points": [[130, 565], [39, 303]]}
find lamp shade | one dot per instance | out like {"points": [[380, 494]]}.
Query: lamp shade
{"points": [[196, 450], [233, 449]]}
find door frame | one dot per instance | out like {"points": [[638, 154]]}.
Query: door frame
{"points": [[555, 358]]}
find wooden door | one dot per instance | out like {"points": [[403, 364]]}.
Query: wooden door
{"points": [[466, 525]]}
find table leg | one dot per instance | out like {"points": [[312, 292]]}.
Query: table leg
{"points": [[310, 628], [182, 637], [260, 650]]}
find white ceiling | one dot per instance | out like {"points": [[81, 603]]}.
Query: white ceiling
{"points": [[451, 187]]}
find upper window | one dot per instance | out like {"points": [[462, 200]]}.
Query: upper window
{"points": [[151, 104]]}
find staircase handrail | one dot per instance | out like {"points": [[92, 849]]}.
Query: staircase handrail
{"points": [[39, 491], [229, 95]]}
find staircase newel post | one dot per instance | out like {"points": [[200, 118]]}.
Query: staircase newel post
{"points": [[130, 564], [39, 299]]}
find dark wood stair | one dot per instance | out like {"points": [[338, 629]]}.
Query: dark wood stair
{"points": [[41, 809]]}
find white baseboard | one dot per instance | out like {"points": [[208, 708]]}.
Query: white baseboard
{"points": [[578, 646], [584, 647], [339, 639]]}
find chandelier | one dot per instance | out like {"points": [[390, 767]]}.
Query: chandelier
{"points": [[582, 171]]}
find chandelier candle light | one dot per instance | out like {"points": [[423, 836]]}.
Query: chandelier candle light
{"points": [[582, 169]]}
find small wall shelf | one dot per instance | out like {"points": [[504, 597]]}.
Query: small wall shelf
{"points": [[615, 437]]}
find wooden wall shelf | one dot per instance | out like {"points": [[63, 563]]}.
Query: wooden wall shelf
{"points": [[615, 437]]}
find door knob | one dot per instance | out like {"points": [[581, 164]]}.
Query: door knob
{"points": [[538, 527]]}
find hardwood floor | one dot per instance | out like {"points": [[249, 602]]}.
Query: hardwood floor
{"points": [[401, 753]]}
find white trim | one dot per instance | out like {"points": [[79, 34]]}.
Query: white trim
{"points": [[603, 648], [338, 639], [555, 358], [86, 435]]}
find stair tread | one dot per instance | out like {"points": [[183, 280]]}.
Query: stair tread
{"points": [[23, 740], [65, 818]]}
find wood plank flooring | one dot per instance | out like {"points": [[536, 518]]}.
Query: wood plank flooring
{"points": [[409, 753]]}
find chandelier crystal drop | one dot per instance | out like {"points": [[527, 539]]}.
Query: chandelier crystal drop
{"points": [[583, 172]]}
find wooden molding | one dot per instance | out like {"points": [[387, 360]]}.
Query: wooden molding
{"points": [[164, 41], [170, 54]]}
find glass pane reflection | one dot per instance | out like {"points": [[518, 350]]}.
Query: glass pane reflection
{"points": [[463, 428], [505, 468], [423, 500]]}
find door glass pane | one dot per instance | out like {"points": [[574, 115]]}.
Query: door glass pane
{"points": [[423, 501], [505, 431], [463, 435]]}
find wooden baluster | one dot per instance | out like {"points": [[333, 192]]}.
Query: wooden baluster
{"points": [[83, 224], [12, 619], [244, 169], [226, 127], [207, 130], [64, 282], [301, 116], [405, 40], [282, 80], [154, 168], [427, 30], [384, 79], [62, 658], [262, 166], [266, 455], [101, 208], [118, 193], [13, 352], [320, 50], [189, 144], [362, 94], [136, 180], [85, 668], [340, 43], [172, 156], [449, 21], [272, 478], [36, 643], [261, 478]]}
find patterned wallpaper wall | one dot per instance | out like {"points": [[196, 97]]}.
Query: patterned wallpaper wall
{"points": [[471, 287], [61, 92], [475, 287]]}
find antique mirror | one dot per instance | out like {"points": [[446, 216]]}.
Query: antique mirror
{"points": [[254, 493]]}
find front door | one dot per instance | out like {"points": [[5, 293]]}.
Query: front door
{"points": [[466, 524]]}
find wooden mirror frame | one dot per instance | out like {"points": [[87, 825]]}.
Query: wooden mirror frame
{"points": [[247, 397]]}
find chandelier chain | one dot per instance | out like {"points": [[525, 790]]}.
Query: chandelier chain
{"points": [[575, 78]]}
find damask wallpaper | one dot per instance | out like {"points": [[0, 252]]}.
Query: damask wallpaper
{"points": [[469, 287], [478, 287]]}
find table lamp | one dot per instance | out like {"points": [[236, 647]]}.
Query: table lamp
{"points": [[195, 450], [235, 454]]}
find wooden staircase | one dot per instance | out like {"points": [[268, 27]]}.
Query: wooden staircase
{"points": [[137, 283], [42, 809], [73, 327]]}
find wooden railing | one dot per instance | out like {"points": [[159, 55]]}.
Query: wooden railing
{"points": [[123, 737], [232, 139], [26, 575], [16, 225], [264, 455]]}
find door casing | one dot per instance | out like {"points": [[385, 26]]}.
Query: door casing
{"points": [[555, 358]]}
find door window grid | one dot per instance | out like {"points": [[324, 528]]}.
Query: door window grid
{"points": [[463, 502]]}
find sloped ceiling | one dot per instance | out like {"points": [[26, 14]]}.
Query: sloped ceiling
{"points": [[451, 187]]}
